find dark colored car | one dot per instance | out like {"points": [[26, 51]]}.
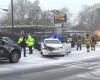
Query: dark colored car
{"points": [[9, 50]]}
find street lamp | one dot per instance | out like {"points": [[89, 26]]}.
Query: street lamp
{"points": [[4, 9], [12, 14]]}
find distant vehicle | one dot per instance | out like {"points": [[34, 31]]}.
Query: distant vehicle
{"points": [[9, 50], [51, 46], [97, 35]]}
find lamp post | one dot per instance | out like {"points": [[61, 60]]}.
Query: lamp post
{"points": [[12, 14]]}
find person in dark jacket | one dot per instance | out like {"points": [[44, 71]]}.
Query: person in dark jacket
{"points": [[37, 44], [79, 42], [93, 42], [22, 43]]}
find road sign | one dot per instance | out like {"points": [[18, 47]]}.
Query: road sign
{"points": [[60, 18]]}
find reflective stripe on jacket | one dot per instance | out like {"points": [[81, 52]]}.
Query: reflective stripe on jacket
{"points": [[20, 40], [69, 40], [88, 40], [79, 41]]}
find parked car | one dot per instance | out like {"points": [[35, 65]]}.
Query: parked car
{"points": [[9, 50], [51, 46]]}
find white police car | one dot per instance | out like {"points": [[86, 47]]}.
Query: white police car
{"points": [[52, 46]]}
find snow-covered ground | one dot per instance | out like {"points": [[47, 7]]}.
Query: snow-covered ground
{"points": [[36, 60]]}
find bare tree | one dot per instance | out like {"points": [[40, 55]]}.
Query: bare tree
{"points": [[21, 9], [46, 18], [26, 12], [84, 18], [34, 12], [89, 17]]}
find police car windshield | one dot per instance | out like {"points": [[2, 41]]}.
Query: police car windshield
{"points": [[52, 41]]}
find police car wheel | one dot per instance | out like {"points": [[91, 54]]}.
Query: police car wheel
{"points": [[42, 53], [14, 57]]}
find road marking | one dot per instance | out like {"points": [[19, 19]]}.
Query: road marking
{"points": [[93, 67], [75, 65], [81, 65], [87, 76]]}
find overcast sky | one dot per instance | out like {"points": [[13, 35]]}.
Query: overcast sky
{"points": [[73, 5]]}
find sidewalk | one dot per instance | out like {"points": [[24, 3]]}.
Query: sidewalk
{"points": [[36, 60]]}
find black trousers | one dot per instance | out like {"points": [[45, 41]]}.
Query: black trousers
{"points": [[88, 46], [30, 50], [24, 48], [79, 46]]}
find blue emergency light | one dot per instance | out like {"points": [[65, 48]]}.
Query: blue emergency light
{"points": [[56, 36]]}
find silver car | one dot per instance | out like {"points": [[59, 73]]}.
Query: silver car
{"points": [[51, 46]]}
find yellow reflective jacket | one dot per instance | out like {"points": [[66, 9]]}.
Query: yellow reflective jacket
{"points": [[87, 41], [30, 41], [20, 40]]}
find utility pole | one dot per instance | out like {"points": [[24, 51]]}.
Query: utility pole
{"points": [[12, 14]]}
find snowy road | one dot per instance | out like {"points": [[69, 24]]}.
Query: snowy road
{"points": [[82, 70], [37, 61]]}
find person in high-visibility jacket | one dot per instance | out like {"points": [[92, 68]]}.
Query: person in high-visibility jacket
{"points": [[87, 41], [30, 42], [22, 43]]}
